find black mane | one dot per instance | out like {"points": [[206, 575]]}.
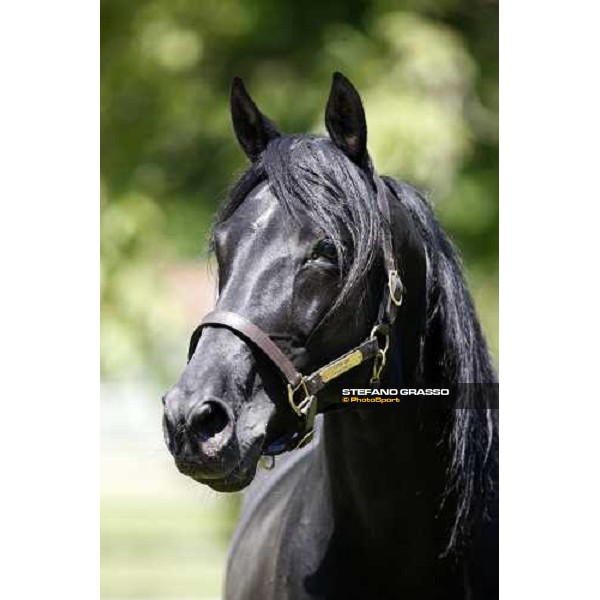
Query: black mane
{"points": [[309, 175], [454, 351]]}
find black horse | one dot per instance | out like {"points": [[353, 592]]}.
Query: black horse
{"points": [[313, 250]]}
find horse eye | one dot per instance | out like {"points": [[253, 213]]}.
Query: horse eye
{"points": [[325, 249]]}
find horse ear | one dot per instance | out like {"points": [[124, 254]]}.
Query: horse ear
{"points": [[345, 120], [252, 129]]}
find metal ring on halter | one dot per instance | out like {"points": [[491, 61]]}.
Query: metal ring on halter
{"points": [[394, 282], [267, 462], [380, 330]]}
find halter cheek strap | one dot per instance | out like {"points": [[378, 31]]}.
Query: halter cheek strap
{"points": [[371, 349]]}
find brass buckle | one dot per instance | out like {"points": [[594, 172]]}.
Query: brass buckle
{"points": [[394, 282], [301, 408], [381, 356], [306, 410], [378, 365]]}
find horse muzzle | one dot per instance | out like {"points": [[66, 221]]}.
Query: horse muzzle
{"points": [[203, 439], [200, 434]]}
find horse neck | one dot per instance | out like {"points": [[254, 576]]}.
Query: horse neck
{"points": [[386, 475]]}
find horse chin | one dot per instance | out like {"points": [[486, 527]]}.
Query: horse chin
{"points": [[241, 475], [234, 482]]}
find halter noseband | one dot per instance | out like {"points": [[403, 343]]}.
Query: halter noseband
{"points": [[309, 385]]}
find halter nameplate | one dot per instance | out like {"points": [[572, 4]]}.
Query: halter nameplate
{"points": [[341, 365]]}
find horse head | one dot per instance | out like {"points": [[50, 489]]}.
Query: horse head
{"points": [[298, 247]]}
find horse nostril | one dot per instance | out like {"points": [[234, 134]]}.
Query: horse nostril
{"points": [[209, 419]]}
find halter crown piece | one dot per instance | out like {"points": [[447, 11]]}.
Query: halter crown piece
{"points": [[305, 387]]}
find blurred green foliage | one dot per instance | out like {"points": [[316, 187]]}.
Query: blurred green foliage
{"points": [[162, 548], [428, 74]]}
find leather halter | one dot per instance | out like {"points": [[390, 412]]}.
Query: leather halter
{"points": [[309, 385]]}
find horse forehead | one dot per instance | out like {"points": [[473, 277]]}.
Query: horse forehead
{"points": [[261, 220], [260, 210]]}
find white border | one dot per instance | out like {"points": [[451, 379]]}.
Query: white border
{"points": [[549, 236], [49, 240]]}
